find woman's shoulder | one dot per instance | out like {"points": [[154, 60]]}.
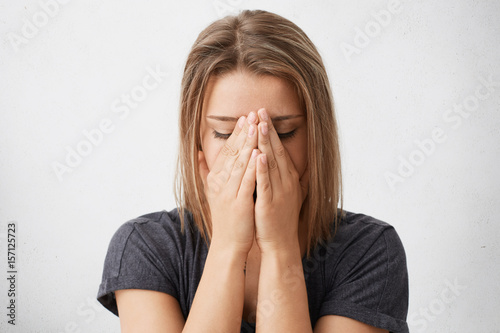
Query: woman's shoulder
{"points": [[160, 222], [358, 227], [162, 217], [150, 252], [350, 218], [160, 231], [358, 239]]}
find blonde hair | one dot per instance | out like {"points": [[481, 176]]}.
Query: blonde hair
{"points": [[262, 43]]}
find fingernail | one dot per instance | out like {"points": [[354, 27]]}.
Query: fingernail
{"points": [[241, 121], [254, 154], [263, 128], [251, 131], [263, 159], [251, 118], [263, 114]]}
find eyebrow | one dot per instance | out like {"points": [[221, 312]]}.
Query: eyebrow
{"points": [[275, 119]]}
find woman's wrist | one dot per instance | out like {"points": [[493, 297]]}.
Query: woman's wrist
{"points": [[228, 250], [280, 250]]}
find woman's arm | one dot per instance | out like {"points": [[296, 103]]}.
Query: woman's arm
{"points": [[338, 324], [282, 302], [217, 306], [282, 298], [218, 303], [283, 306], [148, 311]]}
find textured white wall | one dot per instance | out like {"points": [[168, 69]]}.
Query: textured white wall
{"points": [[420, 134]]}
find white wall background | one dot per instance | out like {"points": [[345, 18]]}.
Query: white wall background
{"points": [[406, 79]]}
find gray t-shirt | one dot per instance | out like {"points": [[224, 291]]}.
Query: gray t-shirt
{"points": [[360, 274]]}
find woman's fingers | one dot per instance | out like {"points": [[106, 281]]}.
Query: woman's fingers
{"points": [[271, 163], [264, 190], [223, 185], [241, 164], [248, 182], [230, 149], [280, 160], [232, 160]]}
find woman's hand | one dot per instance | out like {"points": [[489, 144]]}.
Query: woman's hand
{"points": [[280, 193], [229, 187]]}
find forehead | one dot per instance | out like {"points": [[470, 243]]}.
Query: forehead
{"points": [[239, 92]]}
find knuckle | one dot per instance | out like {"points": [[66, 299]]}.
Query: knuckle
{"points": [[227, 150], [264, 140], [280, 151], [265, 187], [273, 164], [238, 165]]}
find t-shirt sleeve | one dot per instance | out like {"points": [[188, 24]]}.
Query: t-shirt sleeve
{"points": [[132, 262], [370, 283]]}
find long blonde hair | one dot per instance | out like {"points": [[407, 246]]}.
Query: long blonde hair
{"points": [[264, 44]]}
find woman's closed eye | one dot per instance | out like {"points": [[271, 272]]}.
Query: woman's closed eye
{"points": [[282, 136]]}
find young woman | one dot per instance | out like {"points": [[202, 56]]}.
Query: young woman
{"points": [[257, 242]]}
